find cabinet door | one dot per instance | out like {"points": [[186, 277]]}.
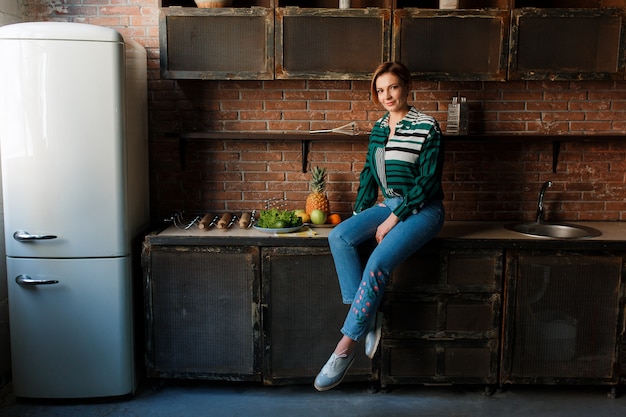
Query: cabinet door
{"points": [[566, 44], [435, 44], [217, 43], [303, 315], [563, 318], [442, 316], [331, 43], [202, 311]]}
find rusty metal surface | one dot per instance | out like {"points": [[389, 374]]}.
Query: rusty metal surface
{"points": [[442, 320], [435, 362], [449, 318], [567, 44], [331, 43], [222, 43], [434, 43], [302, 300], [564, 318], [202, 312], [450, 271]]}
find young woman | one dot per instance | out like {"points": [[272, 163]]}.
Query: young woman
{"points": [[404, 162]]}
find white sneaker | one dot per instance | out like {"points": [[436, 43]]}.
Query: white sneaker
{"points": [[372, 337]]}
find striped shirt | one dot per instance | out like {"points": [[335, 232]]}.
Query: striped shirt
{"points": [[407, 165]]}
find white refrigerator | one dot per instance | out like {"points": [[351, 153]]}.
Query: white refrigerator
{"points": [[73, 134]]}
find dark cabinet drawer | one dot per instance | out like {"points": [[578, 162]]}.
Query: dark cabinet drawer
{"points": [[453, 316], [439, 362], [442, 318], [449, 271]]}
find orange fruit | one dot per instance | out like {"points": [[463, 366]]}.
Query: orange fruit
{"points": [[334, 219]]}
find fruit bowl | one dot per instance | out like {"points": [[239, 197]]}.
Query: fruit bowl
{"points": [[212, 4]]}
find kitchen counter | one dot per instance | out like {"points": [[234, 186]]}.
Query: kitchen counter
{"points": [[227, 304], [473, 234]]}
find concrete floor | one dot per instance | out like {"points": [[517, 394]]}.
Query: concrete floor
{"points": [[210, 399]]}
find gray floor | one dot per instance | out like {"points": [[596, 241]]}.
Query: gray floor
{"points": [[206, 399]]}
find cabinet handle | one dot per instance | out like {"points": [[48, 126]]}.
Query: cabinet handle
{"points": [[24, 236], [26, 281]]}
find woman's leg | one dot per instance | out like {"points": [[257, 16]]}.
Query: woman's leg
{"points": [[400, 243], [404, 239], [344, 240]]}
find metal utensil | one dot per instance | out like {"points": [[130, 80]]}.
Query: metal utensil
{"points": [[347, 129]]}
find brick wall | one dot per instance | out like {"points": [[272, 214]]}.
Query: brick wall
{"points": [[490, 179]]}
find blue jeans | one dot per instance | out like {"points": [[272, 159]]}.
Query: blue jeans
{"points": [[364, 288]]}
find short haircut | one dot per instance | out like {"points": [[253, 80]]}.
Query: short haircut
{"points": [[396, 68]]}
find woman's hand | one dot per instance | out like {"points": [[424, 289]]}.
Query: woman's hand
{"points": [[386, 226]]}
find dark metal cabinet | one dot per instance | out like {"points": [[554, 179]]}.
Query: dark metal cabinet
{"points": [[303, 314], [567, 44], [492, 40], [227, 43], [264, 309], [202, 312], [442, 316], [452, 45], [331, 43], [564, 317]]}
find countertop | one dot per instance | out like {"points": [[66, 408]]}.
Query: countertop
{"points": [[472, 234]]}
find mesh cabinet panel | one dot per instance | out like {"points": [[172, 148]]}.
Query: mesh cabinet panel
{"points": [[305, 315], [563, 44], [437, 44], [566, 318], [217, 44], [331, 44], [324, 52], [204, 312]]}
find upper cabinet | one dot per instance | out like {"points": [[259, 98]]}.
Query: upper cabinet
{"points": [[437, 39], [435, 44], [331, 43], [564, 44], [216, 43]]}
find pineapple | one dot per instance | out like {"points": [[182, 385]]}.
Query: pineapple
{"points": [[317, 200]]}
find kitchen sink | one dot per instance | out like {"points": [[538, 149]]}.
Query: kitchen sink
{"points": [[554, 230]]}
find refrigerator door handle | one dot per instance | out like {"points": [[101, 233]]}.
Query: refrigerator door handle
{"points": [[25, 280], [24, 236]]}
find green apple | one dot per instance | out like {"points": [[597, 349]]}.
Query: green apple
{"points": [[318, 217]]}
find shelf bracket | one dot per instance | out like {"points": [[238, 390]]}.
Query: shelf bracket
{"points": [[556, 148], [305, 154]]}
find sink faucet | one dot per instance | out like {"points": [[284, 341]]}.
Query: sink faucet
{"points": [[545, 186]]}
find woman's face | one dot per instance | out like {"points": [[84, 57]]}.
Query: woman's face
{"points": [[392, 92]]}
